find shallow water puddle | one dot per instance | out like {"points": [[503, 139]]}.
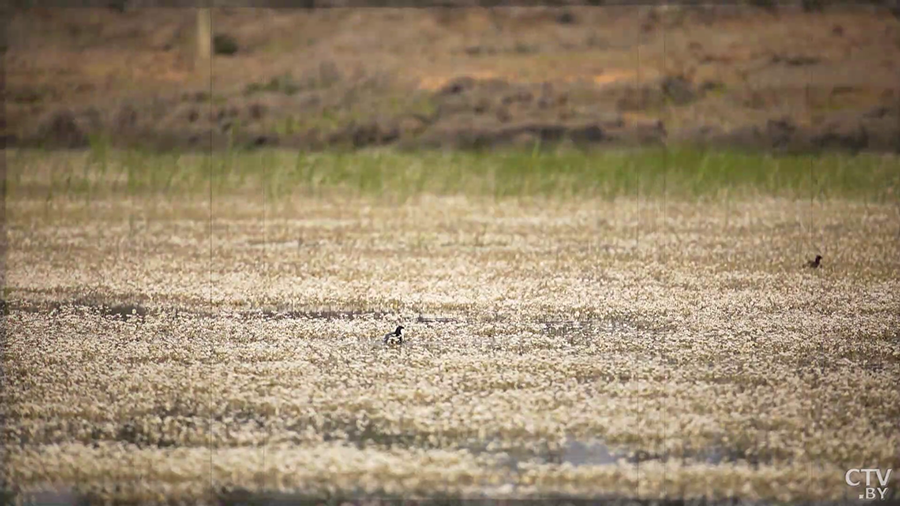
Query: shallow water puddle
{"points": [[55, 496], [575, 452], [589, 453]]}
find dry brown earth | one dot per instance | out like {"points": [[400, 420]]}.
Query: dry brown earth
{"points": [[464, 77]]}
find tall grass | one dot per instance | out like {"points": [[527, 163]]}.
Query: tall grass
{"points": [[675, 173]]}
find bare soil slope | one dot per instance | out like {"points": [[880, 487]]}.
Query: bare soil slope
{"points": [[473, 77]]}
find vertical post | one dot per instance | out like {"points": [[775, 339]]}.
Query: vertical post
{"points": [[204, 39]]}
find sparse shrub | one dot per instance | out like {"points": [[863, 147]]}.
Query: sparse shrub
{"points": [[769, 5], [566, 18], [679, 90], [474, 50], [225, 44], [62, 129], [257, 111], [813, 5], [523, 48], [120, 5], [284, 83]]}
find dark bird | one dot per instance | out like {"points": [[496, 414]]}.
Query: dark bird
{"points": [[395, 337], [814, 264]]}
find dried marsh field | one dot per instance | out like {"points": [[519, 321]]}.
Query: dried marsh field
{"points": [[632, 325]]}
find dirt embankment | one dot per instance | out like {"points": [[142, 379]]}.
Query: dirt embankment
{"points": [[463, 78]]}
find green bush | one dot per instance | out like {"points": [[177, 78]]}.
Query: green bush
{"points": [[225, 44]]}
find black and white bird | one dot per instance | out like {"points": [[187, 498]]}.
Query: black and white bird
{"points": [[814, 264], [395, 337]]}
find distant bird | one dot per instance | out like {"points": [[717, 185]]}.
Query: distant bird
{"points": [[395, 337], [814, 264]]}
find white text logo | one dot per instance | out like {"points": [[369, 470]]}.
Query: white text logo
{"points": [[874, 479]]}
